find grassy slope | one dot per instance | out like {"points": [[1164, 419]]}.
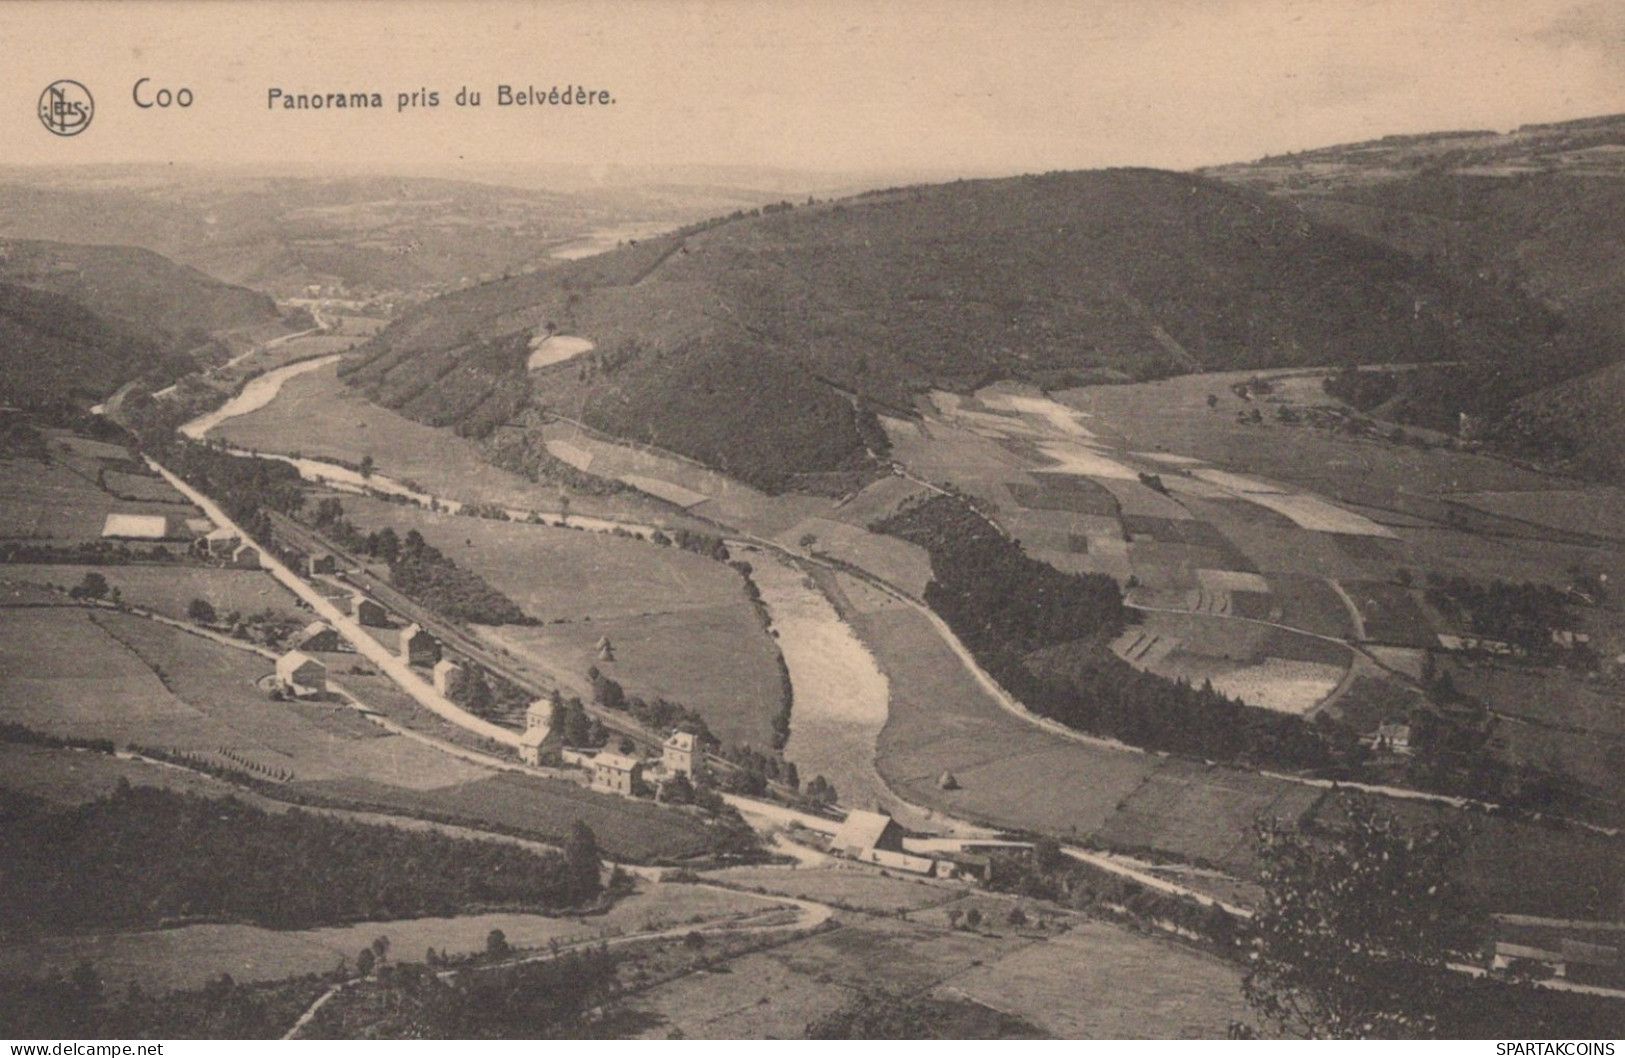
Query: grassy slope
{"points": [[716, 343]]}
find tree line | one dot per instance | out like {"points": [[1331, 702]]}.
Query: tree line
{"points": [[1008, 608], [422, 571], [143, 856]]}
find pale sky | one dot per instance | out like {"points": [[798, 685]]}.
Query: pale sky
{"points": [[974, 87]]}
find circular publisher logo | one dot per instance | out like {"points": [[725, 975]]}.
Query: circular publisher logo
{"points": [[65, 107]]}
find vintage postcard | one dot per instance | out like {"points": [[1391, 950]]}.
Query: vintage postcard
{"points": [[861, 519]]}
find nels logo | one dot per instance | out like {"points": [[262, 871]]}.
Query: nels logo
{"points": [[65, 108]]}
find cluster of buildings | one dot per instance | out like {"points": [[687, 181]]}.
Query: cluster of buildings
{"points": [[199, 534]]}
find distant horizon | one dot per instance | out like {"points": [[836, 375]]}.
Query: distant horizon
{"points": [[584, 176], [871, 88]]}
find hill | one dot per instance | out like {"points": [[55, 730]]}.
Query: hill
{"points": [[77, 322], [52, 348], [135, 286], [360, 237], [1540, 211], [739, 342]]}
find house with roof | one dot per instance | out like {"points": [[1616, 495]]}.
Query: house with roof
{"points": [[370, 613], [863, 832], [325, 562], [679, 754], [447, 675], [530, 744], [616, 773], [220, 543], [318, 637], [418, 647], [300, 675], [1587, 953], [245, 556]]}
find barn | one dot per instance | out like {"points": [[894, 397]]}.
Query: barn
{"points": [[418, 647], [319, 637], [300, 675]]}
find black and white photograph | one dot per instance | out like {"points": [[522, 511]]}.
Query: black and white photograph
{"points": [[829, 519]]}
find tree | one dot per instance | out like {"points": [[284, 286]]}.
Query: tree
{"points": [[583, 862], [1355, 929], [496, 944], [366, 465], [973, 918], [365, 960], [93, 586], [201, 611]]}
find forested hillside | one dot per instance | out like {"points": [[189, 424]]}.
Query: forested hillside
{"points": [[1539, 212], [77, 322], [738, 342]]}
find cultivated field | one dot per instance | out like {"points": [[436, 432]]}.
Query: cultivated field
{"points": [[1100, 981], [51, 504], [170, 589], [1597, 510]]}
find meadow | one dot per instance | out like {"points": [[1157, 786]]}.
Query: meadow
{"points": [[681, 625], [169, 589]]}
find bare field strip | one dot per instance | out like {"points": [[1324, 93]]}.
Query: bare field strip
{"points": [[1316, 515]]}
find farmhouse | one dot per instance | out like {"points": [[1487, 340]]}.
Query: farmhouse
{"points": [[530, 744], [616, 773], [301, 675], [369, 613], [1584, 952], [144, 527], [220, 543], [418, 647], [1392, 737], [864, 832], [319, 637], [447, 674], [245, 556], [538, 724], [677, 755], [323, 563], [898, 861]]}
